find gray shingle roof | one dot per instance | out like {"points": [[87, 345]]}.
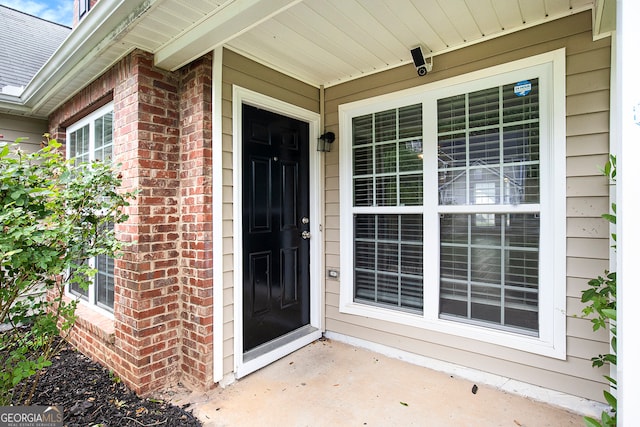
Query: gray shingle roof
{"points": [[26, 43]]}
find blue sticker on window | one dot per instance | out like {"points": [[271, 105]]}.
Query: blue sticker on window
{"points": [[522, 88]]}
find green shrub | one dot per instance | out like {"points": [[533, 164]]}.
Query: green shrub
{"points": [[55, 216]]}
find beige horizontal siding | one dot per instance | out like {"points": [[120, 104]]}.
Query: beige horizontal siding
{"points": [[586, 165], [587, 207], [580, 145], [587, 124], [596, 228], [31, 130], [240, 71]]}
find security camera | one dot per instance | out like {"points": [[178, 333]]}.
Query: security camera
{"points": [[422, 67]]}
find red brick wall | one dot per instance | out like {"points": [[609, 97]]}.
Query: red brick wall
{"points": [[147, 288], [162, 332], [196, 249]]}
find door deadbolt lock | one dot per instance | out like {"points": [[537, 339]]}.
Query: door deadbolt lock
{"points": [[305, 235], [305, 220]]}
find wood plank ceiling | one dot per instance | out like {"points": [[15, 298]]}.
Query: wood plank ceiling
{"points": [[325, 42]]}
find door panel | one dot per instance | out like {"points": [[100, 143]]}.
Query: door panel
{"points": [[275, 159]]}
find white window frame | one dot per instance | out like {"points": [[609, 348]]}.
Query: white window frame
{"points": [[91, 300], [83, 8], [549, 68]]}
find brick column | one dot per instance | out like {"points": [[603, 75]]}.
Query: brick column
{"points": [[196, 304], [147, 287]]}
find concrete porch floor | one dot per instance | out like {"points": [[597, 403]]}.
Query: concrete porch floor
{"points": [[329, 383]]}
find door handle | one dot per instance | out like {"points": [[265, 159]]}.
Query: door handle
{"points": [[305, 235]]}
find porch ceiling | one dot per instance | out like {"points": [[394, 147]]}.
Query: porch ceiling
{"points": [[325, 42], [321, 42]]}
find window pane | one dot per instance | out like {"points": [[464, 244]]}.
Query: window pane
{"points": [[410, 190], [484, 108], [362, 161], [521, 158], [452, 187], [103, 128], [386, 191], [75, 289], [452, 113], [385, 126], [410, 119], [388, 157], [79, 145], [454, 228], [454, 263], [363, 130], [410, 156], [104, 281], [484, 186], [520, 106], [452, 150], [388, 260], [484, 147], [501, 161], [489, 268], [363, 192]]}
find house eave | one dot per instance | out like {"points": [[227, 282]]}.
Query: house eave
{"points": [[99, 30]]}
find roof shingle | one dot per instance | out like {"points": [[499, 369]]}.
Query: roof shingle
{"points": [[26, 43]]}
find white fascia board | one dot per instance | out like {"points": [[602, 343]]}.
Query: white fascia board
{"points": [[227, 22], [107, 21]]}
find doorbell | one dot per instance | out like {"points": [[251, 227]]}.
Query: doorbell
{"points": [[422, 67]]}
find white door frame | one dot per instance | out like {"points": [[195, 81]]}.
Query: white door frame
{"points": [[245, 96]]}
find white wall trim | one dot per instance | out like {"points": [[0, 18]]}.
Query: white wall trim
{"points": [[540, 394], [242, 95], [628, 175], [217, 217]]}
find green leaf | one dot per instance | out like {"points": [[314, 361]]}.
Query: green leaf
{"points": [[591, 422], [4, 151], [611, 399], [609, 313]]}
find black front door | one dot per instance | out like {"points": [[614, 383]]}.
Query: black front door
{"points": [[275, 188]]}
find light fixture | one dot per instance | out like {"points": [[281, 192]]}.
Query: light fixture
{"points": [[325, 141]]}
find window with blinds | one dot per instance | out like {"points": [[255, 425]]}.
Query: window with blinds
{"points": [[388, 233], [453, 206], [488, 155], [89, 140]]}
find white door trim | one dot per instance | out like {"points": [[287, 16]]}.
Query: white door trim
{"points": [[217, 184], [246, 96]]}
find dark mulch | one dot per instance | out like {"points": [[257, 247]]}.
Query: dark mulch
{"points": [[91, 396]]}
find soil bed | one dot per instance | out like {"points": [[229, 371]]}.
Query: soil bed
{"points": [[91, 396]]}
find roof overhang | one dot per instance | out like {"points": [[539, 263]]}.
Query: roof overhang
{"points": [[604, 18], [320, 42]]}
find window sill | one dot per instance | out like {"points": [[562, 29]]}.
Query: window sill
{"points": [[96, 323]]}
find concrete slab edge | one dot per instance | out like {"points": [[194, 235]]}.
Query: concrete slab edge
{"points": [[572, 403]]}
